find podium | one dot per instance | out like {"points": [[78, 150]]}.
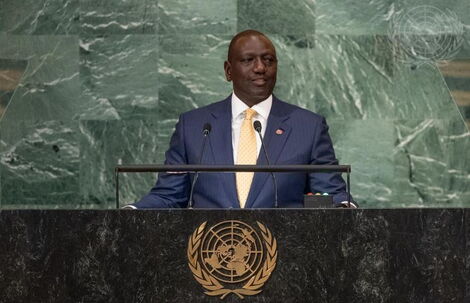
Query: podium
{"points": [[327, 255]]}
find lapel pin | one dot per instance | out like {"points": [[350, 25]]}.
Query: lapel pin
{"points": [[279, 131]]}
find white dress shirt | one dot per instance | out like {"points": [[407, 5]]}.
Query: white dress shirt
{"points": [[238, 107]]}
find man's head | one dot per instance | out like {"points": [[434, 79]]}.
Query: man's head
{"points": [[252, 66]]}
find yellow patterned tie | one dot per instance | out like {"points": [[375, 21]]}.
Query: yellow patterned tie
{"points": [[246, 155]]}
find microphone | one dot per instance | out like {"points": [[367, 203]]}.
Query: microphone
{"points": [[257, 127], [205, 132]]}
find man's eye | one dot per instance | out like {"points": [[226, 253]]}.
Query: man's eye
{"points": [[246, 60]]}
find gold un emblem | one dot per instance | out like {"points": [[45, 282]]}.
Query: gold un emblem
{"points": [[231, 257]]}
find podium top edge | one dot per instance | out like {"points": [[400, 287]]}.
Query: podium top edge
{"points": [[232, 168]]}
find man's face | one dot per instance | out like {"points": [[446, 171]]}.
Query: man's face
{"points": [[252, 66]]}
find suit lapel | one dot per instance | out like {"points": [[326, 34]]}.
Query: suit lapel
{"points": [[221, 145], [275, 137]]}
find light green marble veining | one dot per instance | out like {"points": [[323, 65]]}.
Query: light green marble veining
{"points": [[283, 17], [120, 72], [40, 17]]}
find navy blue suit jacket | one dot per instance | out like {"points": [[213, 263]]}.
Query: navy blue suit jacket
{"points": [[304, 140]]}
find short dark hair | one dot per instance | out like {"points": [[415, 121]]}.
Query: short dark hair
{"points": [[246, 33]]}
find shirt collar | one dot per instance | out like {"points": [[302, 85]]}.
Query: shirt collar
{"points": [[263, 108]]}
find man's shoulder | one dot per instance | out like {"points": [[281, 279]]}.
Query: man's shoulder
{"points": [[216, 107], [297, 112]]}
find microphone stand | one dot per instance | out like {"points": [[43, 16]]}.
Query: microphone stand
{"points": [[257, 127], [205, 132]]}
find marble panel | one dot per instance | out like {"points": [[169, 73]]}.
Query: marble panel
{"points": [[353, 76], [105, 144], [39, 152], [197, 17], [49, 88], [119, 76], [118, 17], [459, 9], [40, 17], [191, 72], [353, 17], [277, 17], [40, 169], [422, 93], [367, 146], [11, 73], [431, 168], [373, 17]]}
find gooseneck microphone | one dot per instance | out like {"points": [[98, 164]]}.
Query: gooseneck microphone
{"points": [[205, 132], [257, 127]]}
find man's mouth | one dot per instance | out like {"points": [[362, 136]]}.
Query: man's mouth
{"points": [[259, 82]]}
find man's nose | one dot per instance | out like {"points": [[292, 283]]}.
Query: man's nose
{"points": [[259, 66]]}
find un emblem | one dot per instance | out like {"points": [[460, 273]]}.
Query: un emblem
{"points": [[232, 257]]}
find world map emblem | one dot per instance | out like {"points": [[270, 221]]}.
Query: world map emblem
{"points": [[232, 257]]}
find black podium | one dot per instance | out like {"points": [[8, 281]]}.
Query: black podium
{"points": [[333, 255]]}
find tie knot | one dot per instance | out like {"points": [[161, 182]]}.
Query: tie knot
{"points": [[249, 113]]}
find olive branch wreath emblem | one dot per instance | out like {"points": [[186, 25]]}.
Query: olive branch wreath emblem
{"points": [[212, 285]]}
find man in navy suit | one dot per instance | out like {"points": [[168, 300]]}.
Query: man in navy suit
{"points": [[292, 136]]}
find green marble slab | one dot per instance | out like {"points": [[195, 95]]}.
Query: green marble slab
{"points": [[119, 75], [40, 169], [373, 17], [39, 150], [104, 144], [191, 72], [11, 73], [197, 17], [343, 17], [118, 17], [431, 164], [367, 146], [49, 89], [283, 17], [40, 17]]}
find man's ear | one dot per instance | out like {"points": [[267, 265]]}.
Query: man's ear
{"points": [[228, 71]]}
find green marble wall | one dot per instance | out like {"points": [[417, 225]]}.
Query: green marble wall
{"points": [[86, 85]]}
